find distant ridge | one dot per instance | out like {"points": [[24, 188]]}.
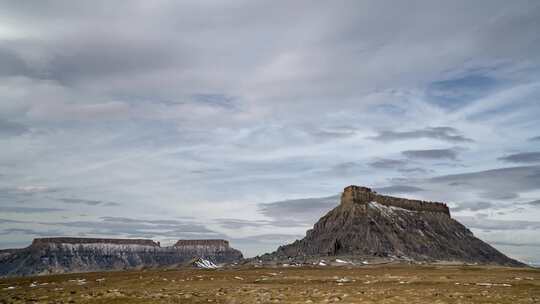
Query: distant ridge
{"points": [[71, 254], [367, 224]]}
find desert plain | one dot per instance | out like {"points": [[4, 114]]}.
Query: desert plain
{"points": [[309, 284]]}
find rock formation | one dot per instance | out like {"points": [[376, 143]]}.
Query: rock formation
{"points": [[63, 255], [367, 224]]}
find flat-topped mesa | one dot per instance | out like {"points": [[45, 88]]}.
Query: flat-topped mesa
{"points": [[363, 195], [75, 240], [217, 244]]}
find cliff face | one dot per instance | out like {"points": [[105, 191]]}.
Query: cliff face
{"points": [[363, 195], [63, 255], [368, 224]]}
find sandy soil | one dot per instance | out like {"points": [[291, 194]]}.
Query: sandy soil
{"points": [[371, 284]]}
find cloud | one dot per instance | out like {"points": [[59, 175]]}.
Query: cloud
{"points": [[16, 209], [492, 224], [499, 195], [536, 138], [334, 132], [220, 100], [136, 227], [241, 223], [518, 244], [455, 92], [535, 203], [385, 163], [32, 232], [417, 170], [472, 206], [87, 202], [399, 189], [8, 128], [441, 133], [431, 154], [514, 180], [8, 221], [307, 210], [526, 157]]}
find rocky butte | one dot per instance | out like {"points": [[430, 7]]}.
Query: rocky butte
{"points": [[366, 224], [66, 254]]}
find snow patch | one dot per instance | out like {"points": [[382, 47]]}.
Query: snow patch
{"points": [[206, 264], [343, 261], [386, 210]]}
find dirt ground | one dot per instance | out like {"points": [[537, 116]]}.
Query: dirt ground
{"points": [[370, 284]]}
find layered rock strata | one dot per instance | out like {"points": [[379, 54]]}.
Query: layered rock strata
{"points": [[367, 224], [63, 255]]}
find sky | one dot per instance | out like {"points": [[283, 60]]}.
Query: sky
{"points": [[244, 120]]}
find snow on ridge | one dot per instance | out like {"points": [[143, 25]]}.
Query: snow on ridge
{"points": [[105, 247], [386, 210]]}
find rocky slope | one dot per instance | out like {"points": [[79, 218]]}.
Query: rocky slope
{"points": [[63, 255], [367, 224]]}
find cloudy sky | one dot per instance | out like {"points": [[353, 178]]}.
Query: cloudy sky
{"points": [[245, 119]]}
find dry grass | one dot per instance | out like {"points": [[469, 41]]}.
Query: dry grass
{"points": [[373, 284]]}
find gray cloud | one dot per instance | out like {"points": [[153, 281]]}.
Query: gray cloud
{"points": [[9, 128], [514, 179], [134, 227], [32, 232], [535, 203], [8, 221], [87, 202], [499, 195], [17, 209], [307, 210], [414, 170], [334, 132], [240, 223], [490, 224], [536, 138], [399, 189], [472, 206], [518, 244], [385, 163], [431, 154], [442, 133], [526, 157]]}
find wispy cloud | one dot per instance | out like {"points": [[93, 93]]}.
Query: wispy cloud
{"points": [[431, 154], [399, 189], [307, 210], [490, 224], [17, 209], [88, 202], [9, 128], [472, 206], [385, 163], [525, 157], [441, 133]]}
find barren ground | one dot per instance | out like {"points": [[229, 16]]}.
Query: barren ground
{"points": [[370, 284]]}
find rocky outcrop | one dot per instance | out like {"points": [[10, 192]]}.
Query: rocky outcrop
{"points": [[202, 244], [367, 224], [63, 255], [363, 195]]}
